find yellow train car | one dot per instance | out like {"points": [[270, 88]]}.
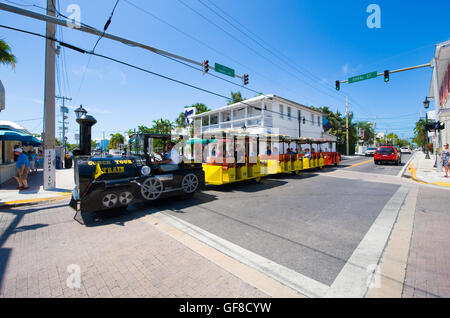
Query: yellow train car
{"points": [[231, 156]]}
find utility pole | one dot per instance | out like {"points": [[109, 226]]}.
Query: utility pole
{"points": [[49, 103], [346, 125], [375, 130], [64, 111]]}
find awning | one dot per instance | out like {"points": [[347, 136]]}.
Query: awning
{"points": [[17, 136]]}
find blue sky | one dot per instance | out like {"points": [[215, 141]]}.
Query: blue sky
{"points": [[323, 40]]}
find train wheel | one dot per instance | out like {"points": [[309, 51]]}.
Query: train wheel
{"points": [[257, 180], [151, 188], [125, 198], [109, 200], [189, 183]]}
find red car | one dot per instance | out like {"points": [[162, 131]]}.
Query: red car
{"points": [[387, 153]]}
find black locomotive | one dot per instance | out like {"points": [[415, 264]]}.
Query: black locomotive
{"points": [[106, 182]]}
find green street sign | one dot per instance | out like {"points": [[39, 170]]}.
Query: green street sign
{"points": [[362, 77], [223, 69]]}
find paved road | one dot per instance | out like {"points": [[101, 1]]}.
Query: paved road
{"points": [[366, 164], [310, 223]]}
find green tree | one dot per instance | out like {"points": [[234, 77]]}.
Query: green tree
{"points": [[420, 133], [369, 133], [93, 144], [180, 121], [115, 140], [6, 57], [236, 97]]}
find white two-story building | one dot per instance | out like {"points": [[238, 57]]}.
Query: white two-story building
{"points": [[265, 114]]}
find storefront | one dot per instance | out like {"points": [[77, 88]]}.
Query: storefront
{"points": [[12, 136], [440, 90]]}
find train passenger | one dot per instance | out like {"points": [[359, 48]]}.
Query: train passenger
{"points": [[300, 151], [268, 151], [275, 151], [307, 153]]}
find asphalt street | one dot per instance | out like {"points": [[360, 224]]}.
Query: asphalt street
{"points": [[308, 223], [367, 164]]}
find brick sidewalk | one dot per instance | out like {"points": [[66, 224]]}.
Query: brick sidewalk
{"points": [[428, 270], [119, 257]]}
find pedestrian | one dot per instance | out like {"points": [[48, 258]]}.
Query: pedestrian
{"points": [[23, 167], [32, 159], [445, 160]]}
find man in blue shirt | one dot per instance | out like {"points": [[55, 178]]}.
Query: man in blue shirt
{"points": [[23, 167]]}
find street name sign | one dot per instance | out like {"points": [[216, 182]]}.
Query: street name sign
{"points": [[223, 69], [362, 77]]}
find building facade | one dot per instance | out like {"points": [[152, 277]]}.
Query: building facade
{"points": [[440, 89], [265, 114]]}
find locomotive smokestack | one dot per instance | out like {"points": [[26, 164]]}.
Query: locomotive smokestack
{"points": [[86, 122]]}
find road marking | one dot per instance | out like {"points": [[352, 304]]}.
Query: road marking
{"points": [[359, 163], [393, 264], [200, 242], [296, 281], [354, 279]]}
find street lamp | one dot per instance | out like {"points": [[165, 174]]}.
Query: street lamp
{"points": [[426, 104], [80, 111]]}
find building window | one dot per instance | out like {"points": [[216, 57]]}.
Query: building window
{"points": [[281, 111], [312, 119], [226, 116], [205, 121], [214, 119], [289, 113], [318, 121]]}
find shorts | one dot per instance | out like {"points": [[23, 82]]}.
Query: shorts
{"points": [[24, 175], [169, 167]]}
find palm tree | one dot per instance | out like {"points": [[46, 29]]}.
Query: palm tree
{"points": [[116, 140], [6, 57], [236, 97]]}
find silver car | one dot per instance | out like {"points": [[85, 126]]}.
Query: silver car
{"points": [[370, 152]]}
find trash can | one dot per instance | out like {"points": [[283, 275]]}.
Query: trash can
{"points": [[68, 163]]}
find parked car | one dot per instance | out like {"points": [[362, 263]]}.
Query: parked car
{"points": [[387, 154], [370, 152], [405, 150]]}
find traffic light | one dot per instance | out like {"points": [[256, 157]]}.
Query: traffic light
{"points": [[245, 79], [205, 66], [338, 85], [386, 76]]}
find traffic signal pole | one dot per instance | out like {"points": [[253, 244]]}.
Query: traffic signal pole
{"points": [[392, 72], [346, 126]]}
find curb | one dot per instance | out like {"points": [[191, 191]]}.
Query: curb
{"points": [[407, 166], [413, 176], [19, 203]]}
